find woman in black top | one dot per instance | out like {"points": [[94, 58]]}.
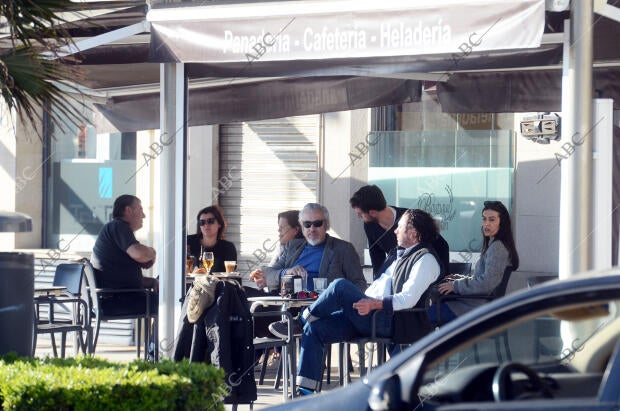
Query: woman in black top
{"points": [[210, 229]]}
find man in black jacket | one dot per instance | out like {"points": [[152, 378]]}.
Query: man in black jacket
{"points": [[380, 221]]}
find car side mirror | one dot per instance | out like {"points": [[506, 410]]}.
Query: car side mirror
{"points": [[385, 395]]}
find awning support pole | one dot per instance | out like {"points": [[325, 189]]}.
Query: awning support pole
{"points": [[171, 263], [575, 155]]}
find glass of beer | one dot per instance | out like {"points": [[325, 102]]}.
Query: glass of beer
{"points": [[231, 266], [207, 261], [189, 263]]}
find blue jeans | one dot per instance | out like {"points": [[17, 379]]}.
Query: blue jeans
{"points": [[338, 321]]}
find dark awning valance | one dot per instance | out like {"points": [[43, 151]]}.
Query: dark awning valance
{"points": [[263, 100]]}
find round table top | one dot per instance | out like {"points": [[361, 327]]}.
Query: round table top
{"points": [[231, 276], [278, 300]]}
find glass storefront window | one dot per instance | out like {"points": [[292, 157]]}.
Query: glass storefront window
{"points": [[87, 171], [449, 173]]}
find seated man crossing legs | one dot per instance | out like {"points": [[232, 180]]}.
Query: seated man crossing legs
{"points": [[342, 311]]}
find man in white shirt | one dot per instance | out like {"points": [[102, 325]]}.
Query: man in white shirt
{"points": [[341, 312]]}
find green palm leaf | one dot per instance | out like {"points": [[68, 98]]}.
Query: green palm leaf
{"points": [[26, 76], [27, 84], [35, 23]]}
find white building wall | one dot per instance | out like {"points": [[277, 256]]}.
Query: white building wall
{"points": [[536, 208], [202, 169], [20, 177], [344, 170], [7, 169]]}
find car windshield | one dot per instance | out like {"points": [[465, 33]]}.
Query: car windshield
{"points": [[575, 341]]}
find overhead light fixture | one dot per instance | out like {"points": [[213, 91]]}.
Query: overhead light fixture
{"points": [[542, 128]]}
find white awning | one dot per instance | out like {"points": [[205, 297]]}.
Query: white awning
{"points": [[342, 29]]}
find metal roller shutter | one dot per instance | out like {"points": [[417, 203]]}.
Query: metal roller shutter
{"points": [[273, 166]]}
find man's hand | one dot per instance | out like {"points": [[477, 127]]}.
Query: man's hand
{"points": [[446, 288], [147, 265], [366, 305], [297, 270], [259, 278]]}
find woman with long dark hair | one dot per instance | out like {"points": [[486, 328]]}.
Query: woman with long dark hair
{"points": [[498, 252], [288, 229], [210, 233]]}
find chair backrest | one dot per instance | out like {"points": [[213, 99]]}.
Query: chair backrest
{"points": [[70, 276], [459, 268], [412, 324], [500, 290], [89, 272]]}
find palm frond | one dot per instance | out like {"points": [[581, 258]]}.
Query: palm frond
{"points": [[27, 83], [26, 76], [34, 23]]}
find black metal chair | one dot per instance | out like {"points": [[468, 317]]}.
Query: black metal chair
{"points": [[403, 319], [264, 344], [498, 292], [409, 326], [72, 305], [459, 268], [327, 359], [102, 301]]}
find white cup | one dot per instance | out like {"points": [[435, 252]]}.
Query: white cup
{"points": [[319, 284]]}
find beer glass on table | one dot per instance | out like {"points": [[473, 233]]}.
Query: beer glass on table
{"points": [[207, 261]]}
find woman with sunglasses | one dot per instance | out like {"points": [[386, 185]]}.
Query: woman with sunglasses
{"points": [[210, 232], [498, 253]]}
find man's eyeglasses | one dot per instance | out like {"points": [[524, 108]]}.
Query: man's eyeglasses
{"points": [[209, 221], [316, 223]]}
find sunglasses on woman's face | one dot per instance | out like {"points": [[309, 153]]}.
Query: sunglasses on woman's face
{"points": [[209, 221]]}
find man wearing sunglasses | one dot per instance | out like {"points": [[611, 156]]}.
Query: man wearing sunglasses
{"points": [[317, 255]]}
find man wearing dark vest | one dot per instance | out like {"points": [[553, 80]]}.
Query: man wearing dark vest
{"points": [[343, 312]]}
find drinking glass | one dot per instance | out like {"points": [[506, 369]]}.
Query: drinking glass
{"points": [[319, 284], [189, 263], [207, 261], [231, 266]]}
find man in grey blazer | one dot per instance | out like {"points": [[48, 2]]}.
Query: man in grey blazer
{"points": [[316, 255]]}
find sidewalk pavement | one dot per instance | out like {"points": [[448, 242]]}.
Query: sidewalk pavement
{"points": [[267, 395]]}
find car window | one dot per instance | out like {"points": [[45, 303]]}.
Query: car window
{"points": [[568, 349]]}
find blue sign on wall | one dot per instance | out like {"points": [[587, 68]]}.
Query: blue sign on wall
{"points": [[105, 182]]}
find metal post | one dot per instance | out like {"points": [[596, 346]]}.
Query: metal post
{"points": [[575, 154], [171, 261]]}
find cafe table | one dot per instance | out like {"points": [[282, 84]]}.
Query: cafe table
{"points": [[49, 291], [191, 277], [288, 351]]}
